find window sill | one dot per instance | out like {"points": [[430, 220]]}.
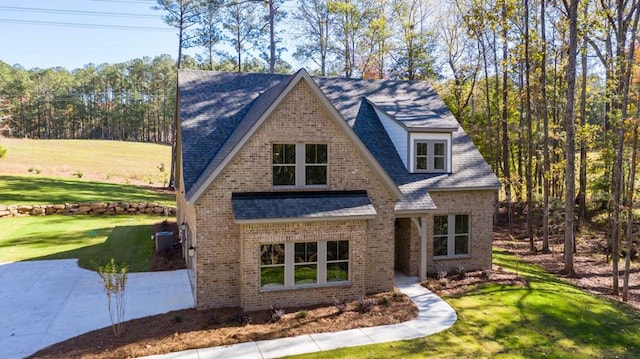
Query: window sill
{"points": [[432, 172], [300, 188], [304, 287], [444, 258]]}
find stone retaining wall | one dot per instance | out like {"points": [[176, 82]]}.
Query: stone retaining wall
{"points": [[86, 208]]}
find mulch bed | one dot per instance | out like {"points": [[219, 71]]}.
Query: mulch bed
{"points": [[188, 329]]}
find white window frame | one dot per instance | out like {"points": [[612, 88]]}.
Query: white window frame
{"points": [[451, 236], [278, 265], [430, 156], [289, 267], [301, 165]]}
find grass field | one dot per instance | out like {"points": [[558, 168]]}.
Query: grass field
{"points": [[49, 190], [112, 161], [547, 318], [91, 239]]}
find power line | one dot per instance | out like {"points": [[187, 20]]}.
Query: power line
{"points": [[93, 26], [76, 12]]}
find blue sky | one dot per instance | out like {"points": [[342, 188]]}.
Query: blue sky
{"points": [[28, 41]]}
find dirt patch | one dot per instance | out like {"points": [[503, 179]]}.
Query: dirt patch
{"points": [[189, 329], [591, 263]]}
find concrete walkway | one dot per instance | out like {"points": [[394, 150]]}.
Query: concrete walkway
{"points": [[45, 302], [435, 315]]}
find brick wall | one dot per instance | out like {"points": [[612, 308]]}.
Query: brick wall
{"points": [[254, 298], [477, 204], [300, 117]]}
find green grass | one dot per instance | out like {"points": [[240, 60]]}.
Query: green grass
{"points": [[46, 190], [94, 159], [91, 239], [548, 318]]}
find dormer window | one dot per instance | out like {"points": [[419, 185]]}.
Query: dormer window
{"points": [[430, 156], [299, 164]]}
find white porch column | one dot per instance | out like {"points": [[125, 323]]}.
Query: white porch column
{"points": [[421, 225]]}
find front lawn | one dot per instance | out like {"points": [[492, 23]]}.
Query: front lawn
{"points": [[545, 318], [48, 190], [111, 161], [91, 239]]}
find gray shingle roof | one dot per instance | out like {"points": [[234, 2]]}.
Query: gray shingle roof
{"points": [[217, 109], [259, 207]]}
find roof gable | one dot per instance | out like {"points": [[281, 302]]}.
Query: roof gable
{"points": [[248, 120], [212, 105]]}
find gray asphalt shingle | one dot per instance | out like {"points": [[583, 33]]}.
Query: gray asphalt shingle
{"points": [[269, 206], [217, 109]]}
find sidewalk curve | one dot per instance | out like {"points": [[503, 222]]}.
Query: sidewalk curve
{"points": [[434, 316]]}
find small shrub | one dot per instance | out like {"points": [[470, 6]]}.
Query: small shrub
{"points": [[163, 174], [458, 273], [385, 300], [397, 295], [176, 319], [277, 314], [242, 319], [302, 314], [441, 274], [78, 174], [485, 275], [340, 305], [364, 305], [3, 151], [114, 280], [35, 170]]}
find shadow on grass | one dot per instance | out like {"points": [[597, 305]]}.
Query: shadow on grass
{"points": [[46, 190], [130, 245], [546, 317], [554, 315]]}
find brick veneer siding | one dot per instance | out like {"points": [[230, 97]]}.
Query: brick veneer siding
{"points": [[406, 260], [253, 235], [221, 280], [477, 204], [186, 214]]}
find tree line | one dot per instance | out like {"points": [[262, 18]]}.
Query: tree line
{"points": [[131, 101], [350, 38], [549, 91]]}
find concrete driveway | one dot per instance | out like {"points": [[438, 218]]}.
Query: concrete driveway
{"points": [[45, 302]]}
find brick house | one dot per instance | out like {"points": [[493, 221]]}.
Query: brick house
{"points": [[295, 190]]}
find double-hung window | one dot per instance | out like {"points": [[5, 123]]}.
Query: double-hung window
{"points": [[430, 156], [299, 164], [337, 261], [304, 264], [272, 265], [305, 269], [451, 234]]}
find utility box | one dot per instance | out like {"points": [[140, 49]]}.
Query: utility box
{"points": [[164, 241]]}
